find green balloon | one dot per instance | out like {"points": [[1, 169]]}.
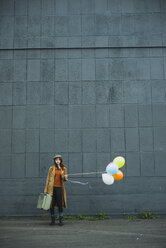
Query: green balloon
{"points": [[120, 161]]}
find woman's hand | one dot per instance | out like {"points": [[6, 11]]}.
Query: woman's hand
{"points": [[66, 177], [45, 192]]}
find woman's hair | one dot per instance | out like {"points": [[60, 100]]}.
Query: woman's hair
{"points": [[61, 164]]}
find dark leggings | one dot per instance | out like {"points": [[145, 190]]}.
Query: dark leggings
{"points": [[56, 200]]}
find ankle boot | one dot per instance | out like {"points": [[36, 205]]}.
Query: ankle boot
{"points": [[52, 220], [61, 221]]}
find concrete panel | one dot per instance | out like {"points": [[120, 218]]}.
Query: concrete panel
{"points": [[103, 140], [157, 68], [131, 115], [75, 163], [7, 23], [89, 164], [144, 92], [116, 115], [159, 115], [47, 42], [130, 91], [74, 43], [47, 70], [100, 6], [75, 93], [101, 69], [88, 116], [103, 159], [74, 69], [47, 54], [7, 7], [88, 69], [46, 116], [40, 93], [19, 117], [88, 93], [89, 140], [18, 141], [32, 116], [48, 7], [5, 116], [87, 6], [147, 164], [47, 143], [146, 139], [127, 26], [114, 24], [116, 69], [133, 164], [159, 139], [132, 139], [32, 140], [47, 26], [75, 116], [102, 115], [88, 25], [20, 26], [158, 91], [34, 26], [46, 160], [109, 92], [117, 139], [5, 144], [5, 161], [61, 141], [33, 73], [6, 70], [160, 168], [61, 25], [18, 166], [61, 71], [19, 93], [75, 141], [74, 25], [20, 43], [145, 115], [74, 7], [61, 7], [20, 7], [114, 7], [61, 116], [32, 165], [61, 93], [101, 24]]}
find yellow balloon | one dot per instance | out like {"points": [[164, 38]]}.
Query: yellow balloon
{"points": [[120, 161]]}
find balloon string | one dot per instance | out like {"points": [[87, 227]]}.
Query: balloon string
{"points": [[86, 173], [71, 181]]}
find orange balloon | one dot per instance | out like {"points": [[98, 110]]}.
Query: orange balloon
{"points": [[118, 175]]}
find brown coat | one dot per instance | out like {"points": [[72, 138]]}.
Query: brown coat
{"points": [[50, 183]]}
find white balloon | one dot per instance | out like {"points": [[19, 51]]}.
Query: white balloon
{"points": [[107, 179]]}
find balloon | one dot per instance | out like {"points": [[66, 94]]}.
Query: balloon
{"points": [[112, 168], [118, 175], [120, 161], [107, 179]]}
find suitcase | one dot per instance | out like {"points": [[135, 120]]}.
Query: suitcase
{"points": [[44, 201]]}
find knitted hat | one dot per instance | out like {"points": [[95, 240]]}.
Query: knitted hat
{"points": [[57, 156]]}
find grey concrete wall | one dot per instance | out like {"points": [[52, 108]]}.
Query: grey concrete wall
{"points": [[86, 79]]}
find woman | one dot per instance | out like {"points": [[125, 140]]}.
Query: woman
{"points": [[57, 174]]}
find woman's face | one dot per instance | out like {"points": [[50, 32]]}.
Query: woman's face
{"points": [[57, 161]]}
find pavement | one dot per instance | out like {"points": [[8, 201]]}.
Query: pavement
{"points": [[32, 232]]}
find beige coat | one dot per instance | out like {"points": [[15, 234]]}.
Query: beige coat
{"points": [[50, 183]]}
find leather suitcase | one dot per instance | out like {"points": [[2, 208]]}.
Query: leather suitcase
{"points": [[44, 201]]}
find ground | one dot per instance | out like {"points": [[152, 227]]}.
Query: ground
{"points": [[35, 232]]}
